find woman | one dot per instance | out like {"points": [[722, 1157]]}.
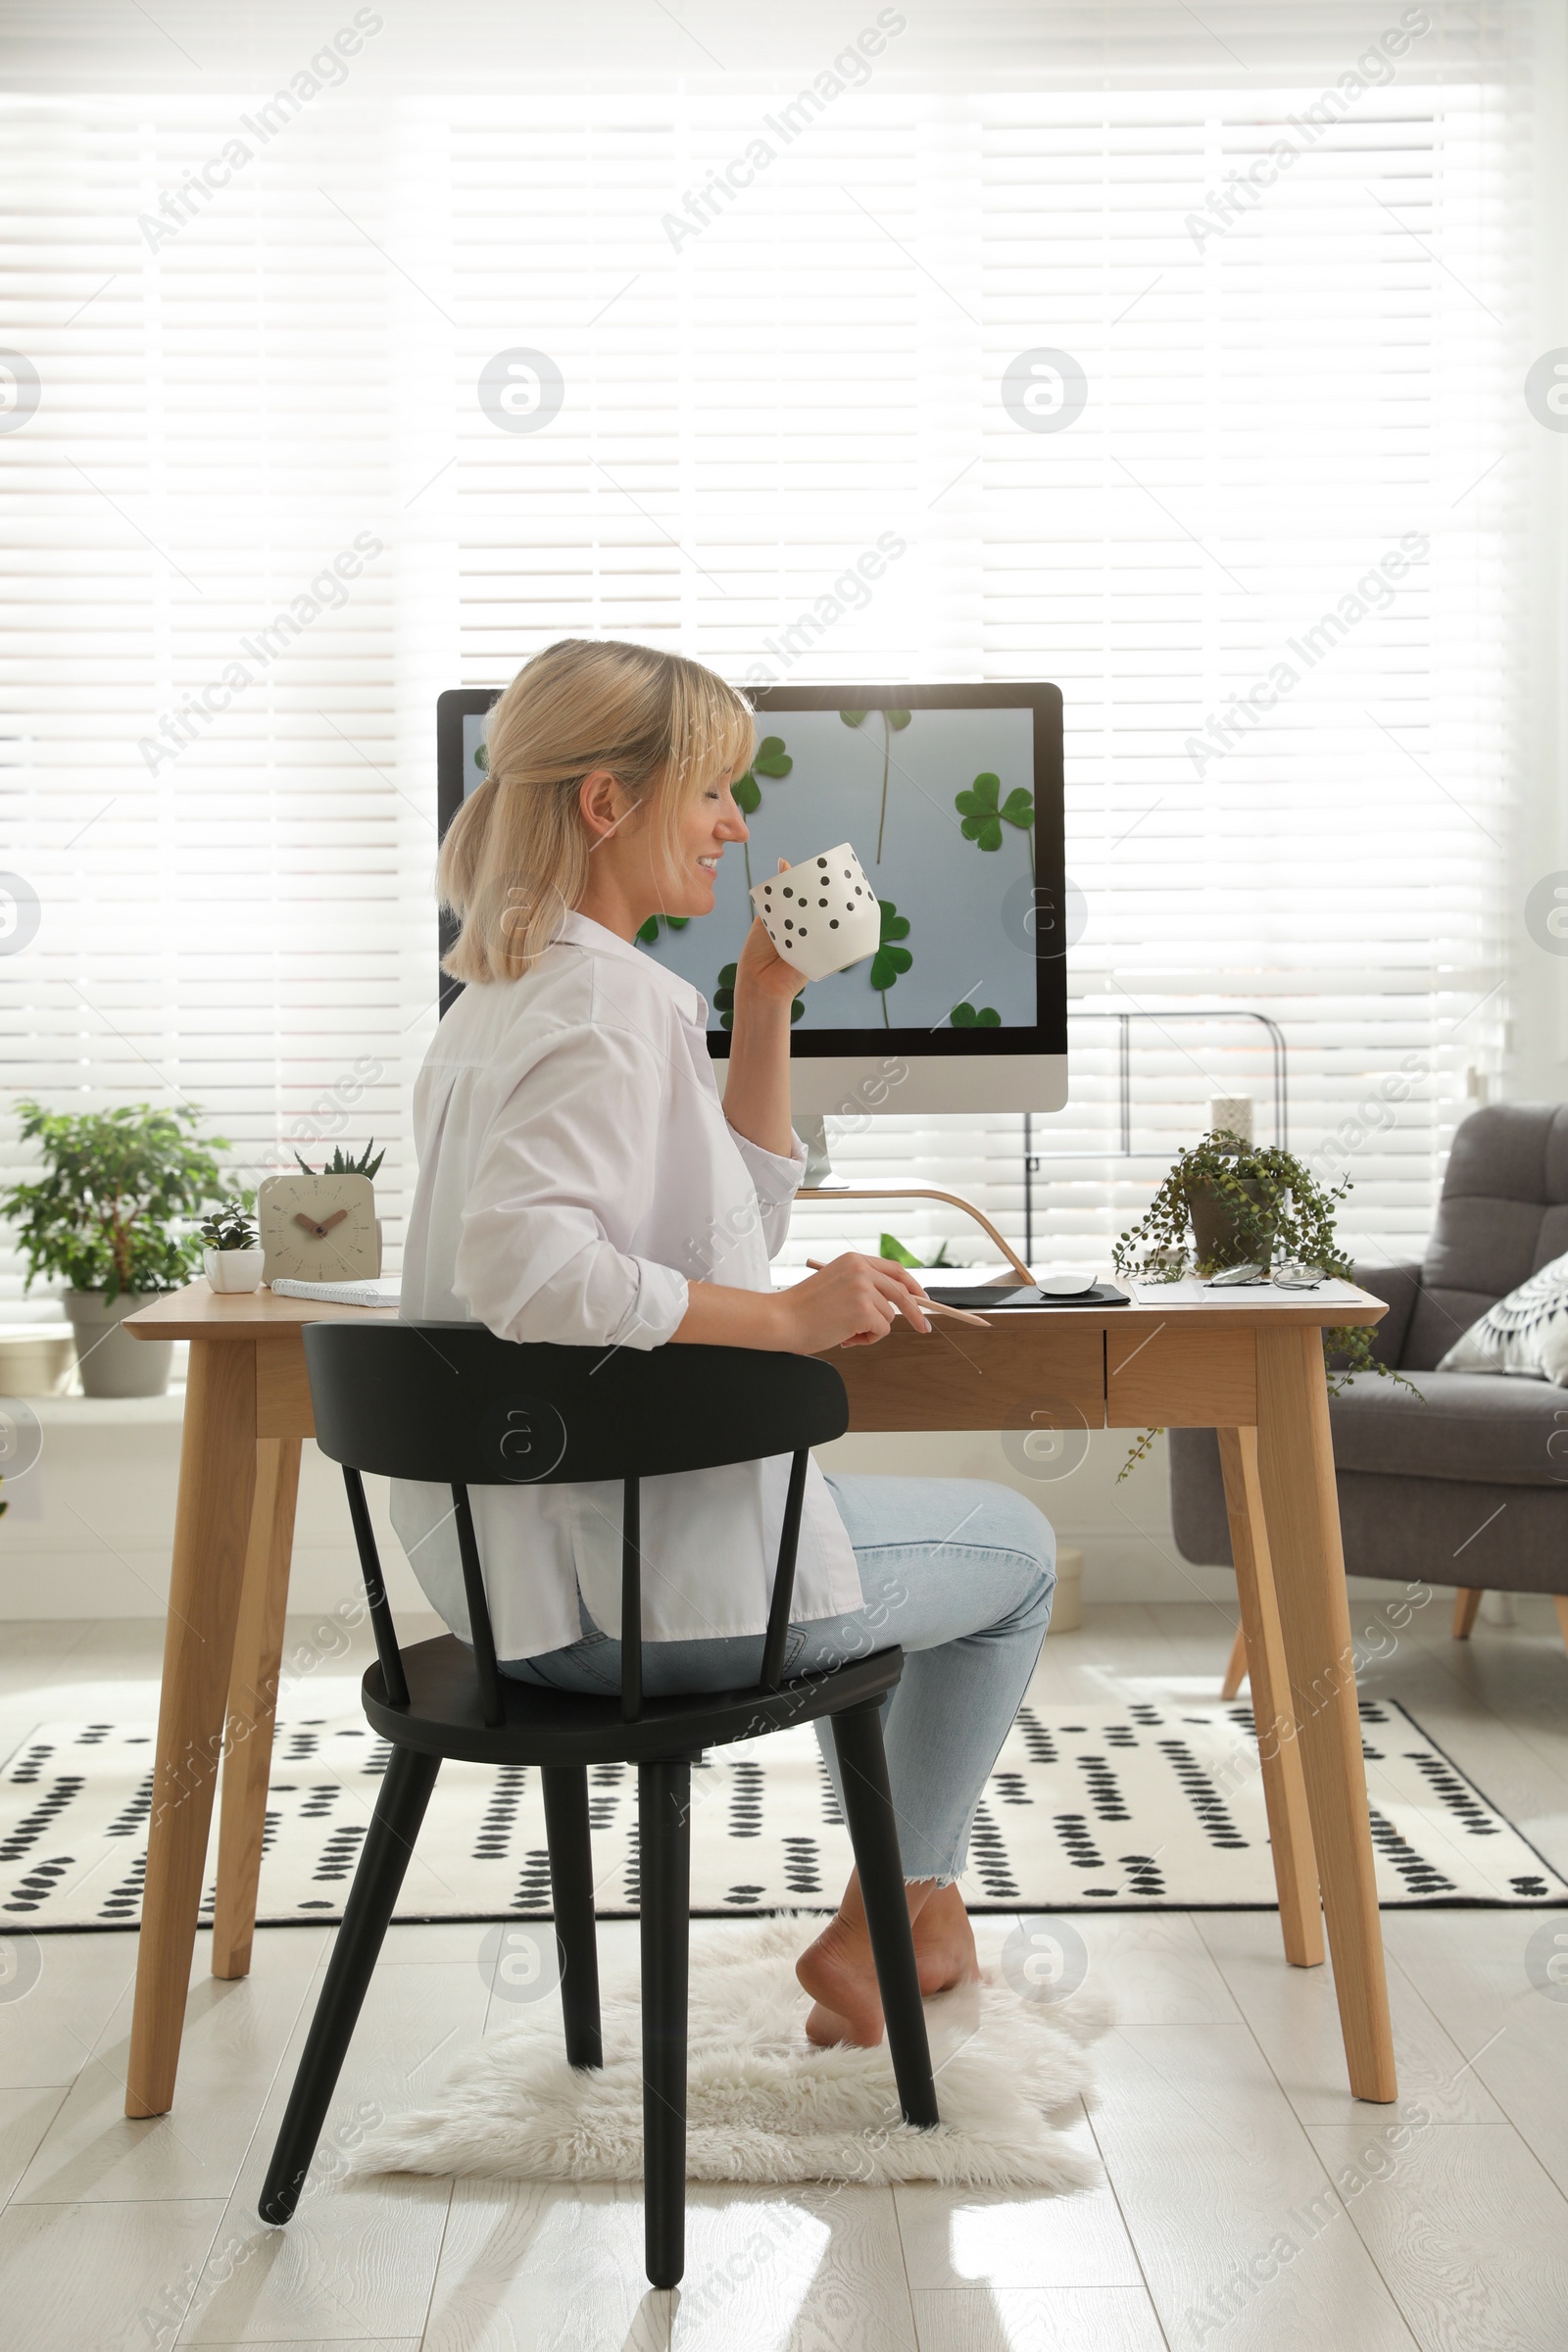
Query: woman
{"points": [[581, 1182]]}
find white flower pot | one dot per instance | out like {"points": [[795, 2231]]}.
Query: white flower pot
{"points": [[233, 1269]]}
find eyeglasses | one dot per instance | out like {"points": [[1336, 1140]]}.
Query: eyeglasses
{"points": [[1290, 1275]]}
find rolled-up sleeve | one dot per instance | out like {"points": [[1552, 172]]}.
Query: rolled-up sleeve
{"points": [[564, 1177], [777, 1180]]}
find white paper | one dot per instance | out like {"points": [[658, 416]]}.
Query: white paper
{"points": [[1193, 1290]]}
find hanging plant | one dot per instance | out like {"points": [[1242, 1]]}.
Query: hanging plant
{"points": [[983, 813], [1225, 1203], [650, 930], [890, 959], [724, 999], [968, 1017], [894, 724], [772, 760]]}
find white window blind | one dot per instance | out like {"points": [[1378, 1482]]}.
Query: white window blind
{"points": [[1296, 455]]}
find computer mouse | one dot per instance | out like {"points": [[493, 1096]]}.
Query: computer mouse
{"points": [[1065, 1282]]}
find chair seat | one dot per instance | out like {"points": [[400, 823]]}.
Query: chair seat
{"points": [[559, 1726], [1492, 1427]]}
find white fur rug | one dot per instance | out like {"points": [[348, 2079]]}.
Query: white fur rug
{"points": [[763, 2105]]}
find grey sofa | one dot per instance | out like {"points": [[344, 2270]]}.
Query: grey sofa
{"points": [[1470, 1486]]}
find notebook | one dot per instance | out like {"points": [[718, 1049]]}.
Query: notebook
{"points": [[376, 1291]]}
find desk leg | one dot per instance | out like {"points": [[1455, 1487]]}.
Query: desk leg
{"points": [[1296, 1459], [252, 1704], [1290, 1828], [216, 1483]]}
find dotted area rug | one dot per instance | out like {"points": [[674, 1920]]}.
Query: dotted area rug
{"points": [[1090, 1808]]}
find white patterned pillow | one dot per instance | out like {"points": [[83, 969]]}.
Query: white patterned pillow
{"points": [[1525, 1333]]}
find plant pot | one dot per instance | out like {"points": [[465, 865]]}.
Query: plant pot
{"points": [[233, 1269], [114, 1363], [1213, 1219], [35, 1359], [1067, 1607]]}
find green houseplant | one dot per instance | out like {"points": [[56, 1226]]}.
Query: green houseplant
{"points": [[112, 1217], [232, 1258], [1226, 1202]]}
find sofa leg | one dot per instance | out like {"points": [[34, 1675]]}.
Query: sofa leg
{"points": [[1560, 1603], [1466, 1602], [1236, 1671]]}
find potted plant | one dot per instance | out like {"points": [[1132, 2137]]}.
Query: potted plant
{"points": [[1227, 1202], [232, 1258], [892, 1247], [105, 1217]]}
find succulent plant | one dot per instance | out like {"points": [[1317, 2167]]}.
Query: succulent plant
{"points": [[341, 1165]]}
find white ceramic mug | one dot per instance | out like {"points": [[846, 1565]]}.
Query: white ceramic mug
{"points": [[822, 915]]}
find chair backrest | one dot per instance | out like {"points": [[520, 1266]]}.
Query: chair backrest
{"points": [[1504, 1214], [453, 1406]]}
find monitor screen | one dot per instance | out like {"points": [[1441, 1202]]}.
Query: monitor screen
{"points": [[951, 796]]}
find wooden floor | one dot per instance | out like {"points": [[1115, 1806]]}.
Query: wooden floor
{"points": [[1249, 2202]]}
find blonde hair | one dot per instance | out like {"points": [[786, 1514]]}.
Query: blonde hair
{"points": [[515, 855]]}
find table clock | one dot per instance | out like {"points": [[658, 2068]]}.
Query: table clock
{"points": [[318, 1227]]}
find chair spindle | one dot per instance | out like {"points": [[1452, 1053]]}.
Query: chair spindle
{"points": [[778, 1615], [631, 1602], [479, 1630], [393, 1679]]}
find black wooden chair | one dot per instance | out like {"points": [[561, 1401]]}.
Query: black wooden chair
{"points": [[452, 1404]]}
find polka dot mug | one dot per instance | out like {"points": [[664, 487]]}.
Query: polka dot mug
{"points": [[822, 915]]}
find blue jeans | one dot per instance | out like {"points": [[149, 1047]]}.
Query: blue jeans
{"points": [[960, 1574]]}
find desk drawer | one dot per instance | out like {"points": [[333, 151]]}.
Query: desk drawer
{"points": [[1162, 1376], [1022, 1372]]}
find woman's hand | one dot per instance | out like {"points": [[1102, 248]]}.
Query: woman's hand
{"points": [[849, 1304], [852, 1302], [763, 975]]}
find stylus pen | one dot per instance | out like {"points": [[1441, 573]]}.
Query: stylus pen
{"points": [[927, 1306]]}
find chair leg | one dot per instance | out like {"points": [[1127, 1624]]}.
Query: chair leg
{"points": [[1560, 1603], [1236, 1671], [1466, 1602], [394, 1826], [874, 1835], [572, 1877], [664, 1835]]}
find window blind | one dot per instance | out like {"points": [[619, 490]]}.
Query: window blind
{"points": [[260, 519]]}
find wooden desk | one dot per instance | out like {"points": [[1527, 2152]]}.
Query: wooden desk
{"points": [[1252, 1370]]}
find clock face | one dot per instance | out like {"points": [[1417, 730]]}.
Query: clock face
{"points": [[318, 1228]]}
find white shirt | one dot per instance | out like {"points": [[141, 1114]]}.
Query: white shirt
{"points": [[577, 1171]]}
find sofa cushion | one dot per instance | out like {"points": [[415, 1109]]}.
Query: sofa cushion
{"points": [[1525, 1333], [1502, 1216], [1481, 1426]]}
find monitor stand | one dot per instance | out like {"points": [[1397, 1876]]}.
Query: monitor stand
{"points": [[820, 1184]]}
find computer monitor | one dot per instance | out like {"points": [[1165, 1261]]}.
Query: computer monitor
{"points": [[952, 797]]}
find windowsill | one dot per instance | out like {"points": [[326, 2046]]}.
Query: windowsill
{"points": [[107, 1412]]}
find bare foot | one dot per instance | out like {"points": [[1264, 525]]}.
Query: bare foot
{"points": [[839, 1971], [943, 1943], [839, 1975]]}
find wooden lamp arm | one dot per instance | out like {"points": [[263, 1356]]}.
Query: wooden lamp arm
{"points": [[916, 1192]]}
